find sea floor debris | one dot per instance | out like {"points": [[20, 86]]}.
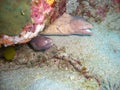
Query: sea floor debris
{"points": [[52, 57]]}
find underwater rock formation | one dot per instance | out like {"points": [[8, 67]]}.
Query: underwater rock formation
{"points": [[94, 10], [24, 30]]}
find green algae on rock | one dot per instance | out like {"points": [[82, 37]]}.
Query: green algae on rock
{"points": [[14, 15]]}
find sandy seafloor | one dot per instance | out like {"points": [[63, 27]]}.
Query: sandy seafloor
{"points": [[101, 55]]}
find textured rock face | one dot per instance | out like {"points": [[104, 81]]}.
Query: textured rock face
{"points": [[94, 10], [14, 16], [38, 11]]}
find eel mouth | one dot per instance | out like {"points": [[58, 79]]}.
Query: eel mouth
{"points": [[88, 31], [83, 32]]}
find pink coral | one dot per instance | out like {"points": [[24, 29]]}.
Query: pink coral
{"points": [[39, 9]]}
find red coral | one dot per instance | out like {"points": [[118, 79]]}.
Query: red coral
{"points": [[116, 4], [101, 11], [60, 8], [92, 9], [117, 1]]}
